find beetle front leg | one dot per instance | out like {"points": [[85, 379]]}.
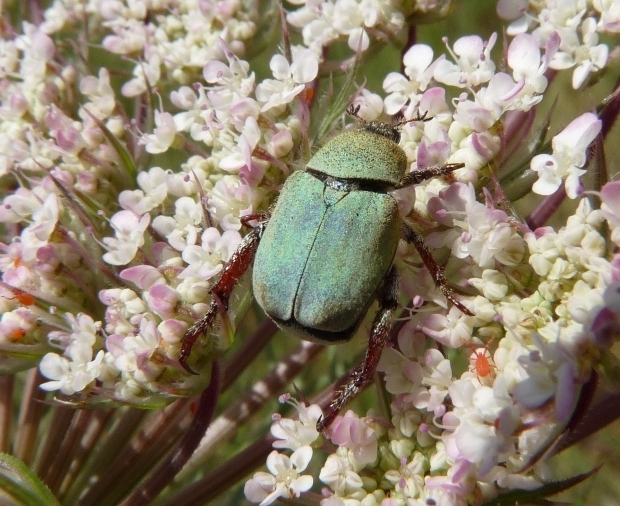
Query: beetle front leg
{"points": [[419, 175], [364, 373], [239, 262], [411, 236]]}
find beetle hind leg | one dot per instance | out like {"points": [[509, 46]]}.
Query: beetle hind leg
{"points": [[239, 262], [363, 373]]}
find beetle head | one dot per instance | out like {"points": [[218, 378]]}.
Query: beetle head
{"points": [[391, 131]]}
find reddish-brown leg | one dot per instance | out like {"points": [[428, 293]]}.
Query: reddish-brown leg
{"points": [[239, 262], [364, 373], [417, 176], [433, 267]]}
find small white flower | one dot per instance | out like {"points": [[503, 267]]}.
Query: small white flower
{"points": [[100, 93], [610, 15], [439, 379], [122, 305], [402, 375], [206, 260], [181, 230], [338, 474], [130, 230], [528, 70], [474, 64], [230, 199], [588, 56], [569, 155], [74, 374], [294, 434], [19, 206], [451, 329], [493, 284], [284, 480], [290, 79], [133, 352], [370, 104], [477, 409], [147, 74], [44, 221], [154, 191], [357, 436], [408, 479], [163, 134], [419, 69], [493, 238]]}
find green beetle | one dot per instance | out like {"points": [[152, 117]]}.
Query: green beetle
{"points": [[326, 252], [331, 238]]}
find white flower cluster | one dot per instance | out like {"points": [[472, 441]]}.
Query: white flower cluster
{"points": [[468, 134], [475, 429], [322, 23], [223, 116], [576, 22], [172, 40], [92, 231], [175, 229], [80, 369], [285, 480]]}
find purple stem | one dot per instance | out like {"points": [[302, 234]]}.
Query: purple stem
{"points": [[412, 37], [166, 472], [539, 216], [609, 114], [548, 206], [247, 352]]}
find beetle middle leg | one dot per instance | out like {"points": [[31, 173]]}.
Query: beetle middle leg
{"points": [[436, 271], [239, 262], [364, 373]]}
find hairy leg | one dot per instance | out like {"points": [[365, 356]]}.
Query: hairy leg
{"points": [[239, 262], [364, 373]]}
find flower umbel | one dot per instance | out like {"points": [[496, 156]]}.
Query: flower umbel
{"points": [[140, 142]]}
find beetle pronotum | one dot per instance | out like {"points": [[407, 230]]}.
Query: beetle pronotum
{"points": [[326, 251]]}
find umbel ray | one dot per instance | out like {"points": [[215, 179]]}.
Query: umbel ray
{"points": [[326, 251]]}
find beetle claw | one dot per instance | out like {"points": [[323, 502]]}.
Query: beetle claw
{"points": [[333, 410], [462, 308], [184, 365], [324, 422]]}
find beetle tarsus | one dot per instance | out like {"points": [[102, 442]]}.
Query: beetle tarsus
{"points": [[185, 366], [417, 176], [192, 334], [362, 375]]}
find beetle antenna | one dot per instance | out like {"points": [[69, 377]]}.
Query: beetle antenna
{"points": [[353, 110], [418, 117]]}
